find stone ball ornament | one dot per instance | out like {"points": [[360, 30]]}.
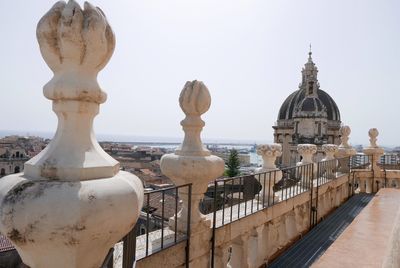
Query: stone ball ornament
{"points": [[77, 44]]}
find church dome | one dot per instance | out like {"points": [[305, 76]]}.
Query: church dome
{"points": [[309, 100], [297, 102]]}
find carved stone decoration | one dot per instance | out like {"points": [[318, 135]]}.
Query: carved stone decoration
{"points": [[345, 150], [374, 152], [373, 134], [345, 132], [191, 162], [306, 174], [330, 150], [269, 153], [328, 169], [307, 152], [72, 204]]}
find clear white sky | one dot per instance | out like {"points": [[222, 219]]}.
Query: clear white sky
{"points": [[248, 53]]}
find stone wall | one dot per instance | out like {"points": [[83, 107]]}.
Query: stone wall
{"points": [[259, 237]]}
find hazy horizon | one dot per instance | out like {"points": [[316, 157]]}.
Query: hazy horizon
{"points": [[248, 53]]}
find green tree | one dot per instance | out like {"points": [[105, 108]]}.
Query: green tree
{"points": [[233, 164]]}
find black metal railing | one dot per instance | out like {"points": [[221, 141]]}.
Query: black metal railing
{"points": [[360, 161], [237, 197], [327, 171], [158, 226]]}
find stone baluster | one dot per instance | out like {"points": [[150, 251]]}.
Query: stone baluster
{"points": [[240, 252], [374, 152], [345, 150], [192, 163], [72, 203], [307, 152], [329, 169], [269, 153], [222, 256]]}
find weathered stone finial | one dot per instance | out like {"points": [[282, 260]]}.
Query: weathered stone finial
{"points": [[345, 150], [191, 163], [72, 201], [76, 44], [373, 134], [269, 153], [344, 136], [307, 152], [194, 100], [330, 150]]}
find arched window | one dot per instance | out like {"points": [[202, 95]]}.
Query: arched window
{"points": [[16, 169], [142, 229], [2, 172], [17, 154]]}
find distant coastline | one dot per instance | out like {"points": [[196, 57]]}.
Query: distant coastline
{"points": [[137, 139]]}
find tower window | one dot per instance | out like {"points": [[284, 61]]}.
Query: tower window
{"points": [[310, 87]]}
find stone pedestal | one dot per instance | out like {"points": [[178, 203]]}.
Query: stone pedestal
{"points": [[307, 152], [374, 152], [72, 204], [269, 153], [345, 151], [329, 168]]}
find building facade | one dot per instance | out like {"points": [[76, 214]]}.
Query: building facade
{"points": [[308, 115]]}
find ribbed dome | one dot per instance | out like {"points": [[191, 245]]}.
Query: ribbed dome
{"points": [[297, 104]]}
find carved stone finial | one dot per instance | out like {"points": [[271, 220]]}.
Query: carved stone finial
{"points": [[330, 150], [76, 44], [344, 136], [307, 151], [269, 153], [194, 100], [373, 134], [191, 162], [71, 201]]}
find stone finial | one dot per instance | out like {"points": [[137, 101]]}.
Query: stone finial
{"points": [[191, 162], [76, 44], [307, 151], [269, 153], [72, 201], [373, 134], [344, 136], [194, 100], [330, 150]]}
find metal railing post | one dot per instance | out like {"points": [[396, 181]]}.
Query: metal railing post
{"points": [[214, 224], [187, 257]]}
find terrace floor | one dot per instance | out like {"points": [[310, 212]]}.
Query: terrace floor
{"points": [[308, 249]]}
